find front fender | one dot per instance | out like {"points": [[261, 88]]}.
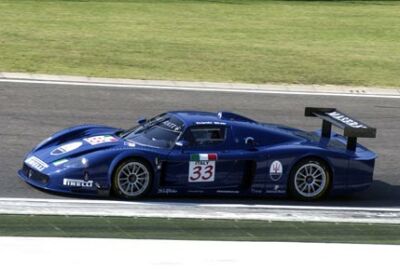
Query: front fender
{"points": [[133, 153], [74, 132]]}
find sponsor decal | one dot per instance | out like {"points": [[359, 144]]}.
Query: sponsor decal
{"points": [[195, 191], [227, 191], [275, 170], [258, 191], [275, 189], [346, 120], [60, 162], [100, 139], [77, 183], [170, 125], [167, 191], [210, 123], [36, 163], [66, 148], [202, 167]]}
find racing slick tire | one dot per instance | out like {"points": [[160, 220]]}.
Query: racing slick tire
{"points": [[132, 179], [309, 180]]}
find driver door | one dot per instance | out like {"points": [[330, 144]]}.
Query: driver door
{"points": [[204, 162]]}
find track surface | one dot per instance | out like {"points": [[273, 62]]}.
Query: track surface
{"points": [[31, 112]]}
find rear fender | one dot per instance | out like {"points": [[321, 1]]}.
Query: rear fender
{"points": [[337, 162], [338, 165]]}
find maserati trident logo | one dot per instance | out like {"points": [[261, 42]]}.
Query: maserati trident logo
{"points": [[275, 171], [30, 173]]}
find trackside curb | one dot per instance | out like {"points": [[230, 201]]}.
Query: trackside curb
{"points": [[20, 206]]}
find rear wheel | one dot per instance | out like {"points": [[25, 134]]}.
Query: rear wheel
{"points": [[309, 180], [132, 179]]}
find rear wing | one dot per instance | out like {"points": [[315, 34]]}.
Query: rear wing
{"points": [[352, 128]]}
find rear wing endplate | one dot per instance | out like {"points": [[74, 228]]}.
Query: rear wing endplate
{"points": [[352, 128]]}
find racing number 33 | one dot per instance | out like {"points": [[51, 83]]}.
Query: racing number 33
{"points": [[202, 168]]}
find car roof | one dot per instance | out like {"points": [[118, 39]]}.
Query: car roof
{"points": [[193, 118], [190, 118]]}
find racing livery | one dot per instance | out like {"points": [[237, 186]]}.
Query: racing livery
{"points": [[204, 153]]}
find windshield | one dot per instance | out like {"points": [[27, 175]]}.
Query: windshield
{"points": [[160, 131]]}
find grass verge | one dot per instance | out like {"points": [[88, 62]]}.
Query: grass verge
{"points": [[310, 42], [195, 229]]}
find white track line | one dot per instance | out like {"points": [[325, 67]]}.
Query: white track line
{"points": [[198, 211], [261, 206], [199, 89]]}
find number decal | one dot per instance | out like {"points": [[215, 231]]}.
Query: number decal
{"points": [[201, 171], [197, 172], [209, 171]]}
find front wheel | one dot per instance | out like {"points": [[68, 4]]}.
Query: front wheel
{"points": [[309, 180], [132, 179]]}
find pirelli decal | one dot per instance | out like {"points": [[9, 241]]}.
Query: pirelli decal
{"points": [[36, 163]]}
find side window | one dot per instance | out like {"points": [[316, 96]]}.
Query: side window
{"points": [[207, 135]]}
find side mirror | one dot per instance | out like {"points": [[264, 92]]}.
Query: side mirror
{"points": [[141, 121], [182, 144]]}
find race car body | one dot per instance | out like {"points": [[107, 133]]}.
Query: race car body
{"points": [[204, 153]]}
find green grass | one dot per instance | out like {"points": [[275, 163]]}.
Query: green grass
{"points": [[192, 229], [310, 42]]}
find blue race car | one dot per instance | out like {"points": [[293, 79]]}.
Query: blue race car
{"points": [[204, 153]]}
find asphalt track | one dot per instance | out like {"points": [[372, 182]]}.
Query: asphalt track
{"points": [[31, 112]]}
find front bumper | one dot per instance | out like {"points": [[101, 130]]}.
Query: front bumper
{"points": [[45, 182]]}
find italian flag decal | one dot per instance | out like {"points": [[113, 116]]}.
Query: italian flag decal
{"points": [[203, 157]]}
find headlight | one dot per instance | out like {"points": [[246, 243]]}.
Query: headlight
{"points": [[77, 163], [85, 162], [60, 162]]}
